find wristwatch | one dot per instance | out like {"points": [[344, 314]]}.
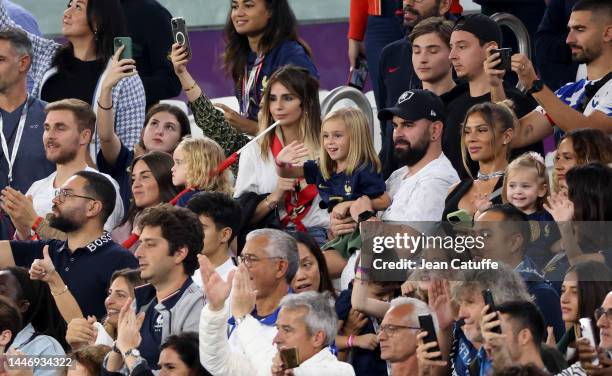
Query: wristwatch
{"points": [[115, 349], [536, 86], [132, 352], [365, 215]]}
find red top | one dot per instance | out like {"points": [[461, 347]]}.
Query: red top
{"points": [[360, 9]]}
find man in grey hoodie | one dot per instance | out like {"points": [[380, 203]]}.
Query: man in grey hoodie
{"points": [[171, 239]]}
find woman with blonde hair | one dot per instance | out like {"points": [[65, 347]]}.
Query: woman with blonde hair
{"points": [[195, 160]]}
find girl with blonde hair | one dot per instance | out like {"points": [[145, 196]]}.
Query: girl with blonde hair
{"points": [[195, 159], [347, 169]]}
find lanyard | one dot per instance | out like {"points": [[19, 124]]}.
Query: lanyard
{"points": [[247, 86], [11, 161]]}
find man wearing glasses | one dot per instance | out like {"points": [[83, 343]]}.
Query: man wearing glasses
{"points": [[68, 129], [268, 263], [398, 335], [88, 258]]}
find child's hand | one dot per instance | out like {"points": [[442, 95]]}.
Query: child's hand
{"points": [[294, 153], [560, 207], [341, 210]]}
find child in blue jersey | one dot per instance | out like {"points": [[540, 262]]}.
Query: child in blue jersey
{"points": [[347, 169]]}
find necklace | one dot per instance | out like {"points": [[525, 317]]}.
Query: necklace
{"points": [[493, 175]]}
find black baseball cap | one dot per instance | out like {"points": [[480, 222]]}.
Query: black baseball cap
{"points": [[415, 105], [483, 27]]}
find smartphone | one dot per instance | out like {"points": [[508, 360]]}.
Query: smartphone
{"points": [[505, 55], [585, 328], [487, 295], [358, 74], [426, 323], [179, 33], [290, 357], [127, 51], [459, 216]]}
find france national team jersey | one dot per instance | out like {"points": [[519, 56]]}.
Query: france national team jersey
{"points": [[573, 94]]}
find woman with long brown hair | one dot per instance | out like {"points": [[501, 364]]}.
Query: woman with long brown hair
{"points": [[261, 37]]}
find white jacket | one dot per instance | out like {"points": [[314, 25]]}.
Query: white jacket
{"points": [[248, 351]]}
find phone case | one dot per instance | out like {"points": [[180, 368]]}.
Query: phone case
{"points": [[586, 331], [290, 357], [505, 55], [487, 296], [180, 34], [426, 324], [127, 51], [359, 74]]}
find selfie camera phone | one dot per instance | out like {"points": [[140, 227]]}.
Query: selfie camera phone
{"points": [[586, 331], [358, 74], [180, 35], [426, 324], [290, 357], [505, 55], [487, 296], [127, 51]]}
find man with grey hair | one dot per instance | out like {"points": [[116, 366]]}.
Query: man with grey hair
{"points": [[398, 334], [268, 263], [307, 322], [467, 353], [22, 162]]}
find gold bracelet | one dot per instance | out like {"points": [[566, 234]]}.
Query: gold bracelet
{"points": [[192, 86], [61, 292]]}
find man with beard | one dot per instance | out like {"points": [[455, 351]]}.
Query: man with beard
{"points": [[88, 258], [418, 189], [586, 103], [396, 73], [68, 128]]}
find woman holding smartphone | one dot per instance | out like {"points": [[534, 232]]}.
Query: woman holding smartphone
{"points": [[261, 36], [77, 68]]}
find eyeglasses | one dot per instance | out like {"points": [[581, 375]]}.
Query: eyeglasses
{"points": [[249, 259], [390, 330], [62, 194], [601, 311]]}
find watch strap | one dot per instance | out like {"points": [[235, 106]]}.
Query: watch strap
{"points": [[365, 215], [536, 86]]}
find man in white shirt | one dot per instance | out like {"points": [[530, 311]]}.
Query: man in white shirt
{"points": [[269, 261], [307, 322], [68, 129], [220, 218], [418, 189]]}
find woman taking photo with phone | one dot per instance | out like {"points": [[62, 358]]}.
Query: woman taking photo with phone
{"points": [[77, 68], [261, 36]]}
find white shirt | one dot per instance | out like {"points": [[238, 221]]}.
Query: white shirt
{"points": [[43, 192], [259, 176], [420, 197], [324, 363], [222, 269]]}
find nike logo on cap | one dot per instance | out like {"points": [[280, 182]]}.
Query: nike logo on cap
{"points": [[393, 69]]}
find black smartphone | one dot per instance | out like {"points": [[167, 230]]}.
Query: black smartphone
{"points": [[358, 74], [426, 323], [487, 295], [505, 55], [127, 51], [179, 33]]}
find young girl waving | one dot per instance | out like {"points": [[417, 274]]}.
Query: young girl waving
{"points": [[348, 167]]}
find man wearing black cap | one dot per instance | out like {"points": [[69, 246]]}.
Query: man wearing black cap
{"points": [[419, 188], [471, 39]]}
